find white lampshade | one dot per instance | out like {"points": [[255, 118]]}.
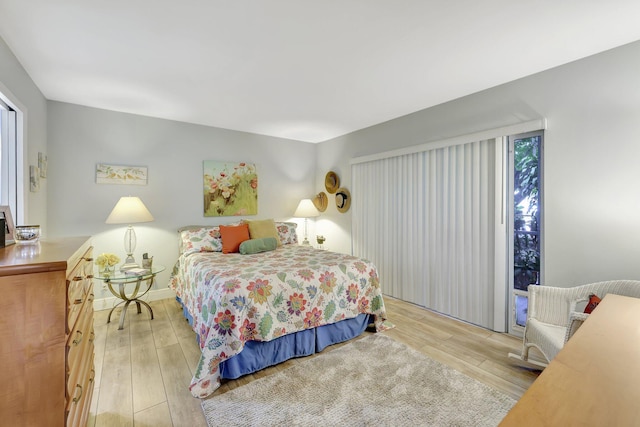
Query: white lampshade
{"points": [[306, 209], [129, 210]]}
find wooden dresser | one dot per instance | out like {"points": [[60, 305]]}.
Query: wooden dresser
{"points": [[594, 380], [46, 333]]}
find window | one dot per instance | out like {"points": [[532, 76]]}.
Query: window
{"points": [[525, 159], [9, 185]]}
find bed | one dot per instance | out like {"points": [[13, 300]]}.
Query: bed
{"points": [[251, 311]]}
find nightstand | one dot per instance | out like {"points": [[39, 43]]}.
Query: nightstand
{"points": [[130, 288]]}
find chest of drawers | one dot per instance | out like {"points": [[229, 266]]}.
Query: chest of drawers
{"points": [[46, 333]]}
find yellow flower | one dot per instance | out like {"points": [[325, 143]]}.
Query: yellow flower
{"points": [[107, 259]]}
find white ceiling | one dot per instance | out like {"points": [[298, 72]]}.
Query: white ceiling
{"points": [[298, 69]]}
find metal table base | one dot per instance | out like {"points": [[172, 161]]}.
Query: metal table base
{"points": [[133, 297]]}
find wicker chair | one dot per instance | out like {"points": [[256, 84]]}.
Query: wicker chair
{"points": [[552, 317]]}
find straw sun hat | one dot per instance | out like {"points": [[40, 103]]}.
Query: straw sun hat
{"points": [[343, 199], [321, 201], [331, 182]]}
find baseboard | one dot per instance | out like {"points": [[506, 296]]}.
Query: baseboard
{"points": [[153, 295]]}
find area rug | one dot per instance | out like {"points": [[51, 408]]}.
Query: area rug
{"points": [[374, 381]]}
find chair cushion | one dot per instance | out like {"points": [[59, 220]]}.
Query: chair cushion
{"points": [[547, 337]]}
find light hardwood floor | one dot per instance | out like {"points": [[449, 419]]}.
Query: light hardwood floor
{"points": [[143, 371]]}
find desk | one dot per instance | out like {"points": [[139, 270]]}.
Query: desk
{"points": [[595, 379], [141, 285]]}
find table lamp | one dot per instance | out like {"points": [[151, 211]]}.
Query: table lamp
{"points": [[129, 210], [306, 209]]}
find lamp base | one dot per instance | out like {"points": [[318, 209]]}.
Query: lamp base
{"points": [[305, 242], [126, 267], [129, 263]]}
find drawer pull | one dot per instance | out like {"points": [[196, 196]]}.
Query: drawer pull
{"points": [[77, 399], [78, 339], [78, 301], [89, 259], [89, 276], [78, 278], [92, 336]]}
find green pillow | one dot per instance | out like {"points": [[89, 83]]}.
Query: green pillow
{"points": [[254, 246]]}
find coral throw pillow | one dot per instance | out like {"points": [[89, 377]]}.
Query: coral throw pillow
{"points": [[232, 236], [592, 304]]}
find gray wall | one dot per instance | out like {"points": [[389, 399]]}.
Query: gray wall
{"points": [[21, 92], [591, 173], [591, 200], [80, 137]]}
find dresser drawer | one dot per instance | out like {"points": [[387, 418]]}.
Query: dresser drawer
{"points": [[79, 403], [76, 287], [80, 341], [77, 305], [79, 347], [72, 316], [78, 284]]}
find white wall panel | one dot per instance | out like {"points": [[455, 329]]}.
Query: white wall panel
{"points": [[590, 163]]}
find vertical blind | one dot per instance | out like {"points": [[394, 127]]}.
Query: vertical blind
{"points": [[428, 221]]}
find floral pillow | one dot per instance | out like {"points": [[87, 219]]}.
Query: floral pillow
{"points": [[287, 232], [203, 239]]}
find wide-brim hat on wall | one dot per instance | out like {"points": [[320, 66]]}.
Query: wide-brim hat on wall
{"points": [[321, 201], [331, 182], [343, 199]]}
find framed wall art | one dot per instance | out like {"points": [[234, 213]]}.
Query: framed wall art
{"points": [[34, 179], [42, 164], [5, 213], [230, 188], [115, 174]]}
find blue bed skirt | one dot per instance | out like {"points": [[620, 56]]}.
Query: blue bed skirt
{"points": [[257, 355]]}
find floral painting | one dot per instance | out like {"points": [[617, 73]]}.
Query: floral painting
{"points": [[230, 189], [114, 174]]}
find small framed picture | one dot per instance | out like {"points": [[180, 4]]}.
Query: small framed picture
{"points": [[34, 179], [115, 174], [42, 164], [5, 212]]}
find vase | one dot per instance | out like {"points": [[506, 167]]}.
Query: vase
{"points": [[108, 270]]}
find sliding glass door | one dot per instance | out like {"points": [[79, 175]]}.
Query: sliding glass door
{"points": [[455, 227], [428, 220]]}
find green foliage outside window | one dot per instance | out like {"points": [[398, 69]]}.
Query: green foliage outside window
{"points": [[526, 243]]}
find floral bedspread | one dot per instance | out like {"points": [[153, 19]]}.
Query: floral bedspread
{"points": [[234, 298]]}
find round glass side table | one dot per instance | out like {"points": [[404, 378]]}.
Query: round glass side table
{"points": [[140, 282]]}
